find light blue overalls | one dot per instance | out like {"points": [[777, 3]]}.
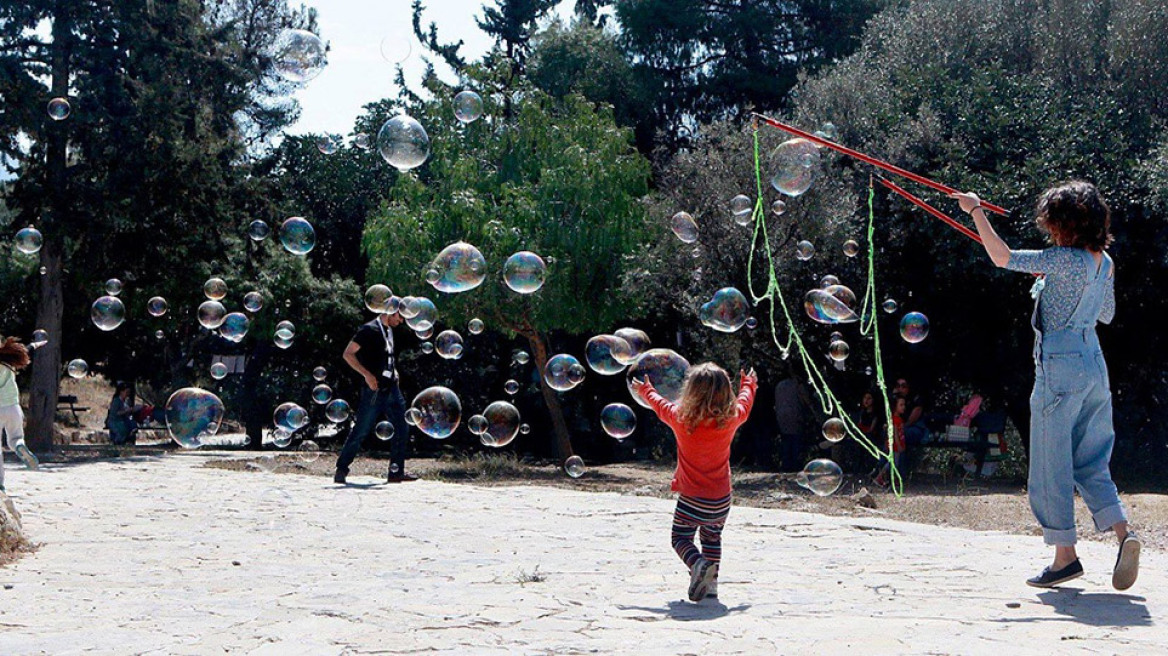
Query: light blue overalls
{"points": [[1071, 429]]}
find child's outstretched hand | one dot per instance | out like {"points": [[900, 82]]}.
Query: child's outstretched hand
{"points": [[748, 376], [640, 385]]}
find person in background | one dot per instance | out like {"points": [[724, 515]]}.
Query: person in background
{"points": [[899, 411], [916, 432], [792, 414], [13, 358], [120, 417]]}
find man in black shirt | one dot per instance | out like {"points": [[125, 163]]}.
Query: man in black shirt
{"points": [[371, 353]]}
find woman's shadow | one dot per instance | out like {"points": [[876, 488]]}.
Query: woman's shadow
{"points": [[682, 611], [1092, 608]]}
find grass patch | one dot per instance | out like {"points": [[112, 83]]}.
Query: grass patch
{"points": [[483, 466]]}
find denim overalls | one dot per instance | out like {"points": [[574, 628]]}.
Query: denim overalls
{"points": [[1071, 430]]}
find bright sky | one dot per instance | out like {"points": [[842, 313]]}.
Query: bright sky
{"points": [[357, 72]]}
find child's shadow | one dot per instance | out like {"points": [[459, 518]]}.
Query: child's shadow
{"points": [[682, 611]]}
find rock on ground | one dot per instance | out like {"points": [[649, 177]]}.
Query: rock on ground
{"points": [[163, 556]]}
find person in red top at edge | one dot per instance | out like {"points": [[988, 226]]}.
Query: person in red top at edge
{"points": [[704, 423]]}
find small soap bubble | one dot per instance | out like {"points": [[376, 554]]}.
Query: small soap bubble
{"points": [[319, 374], [664, 368], [684, 226], [574, 466], [804, 250], [448, 344], [427, 347], [77, 368], [157, 306], [477, 425], [253, 302], [741, 205], [823, 477], [290, 416], [158, 334], [828, 281], [280, 439], [337, 410], [524, 429], [377, 298], [258, 230], [576, 373], [384, 431], [608, 354], [511, 387], [521, 357], [406, 307], [297, 235], [44, 270], [212, 314], [696, 252], [468, 106], [618, 420], [751, 323], [796, 165], [193, 414], [424, 313], [298, 55], [438, 411], [726, 312], [234, 327], [282, 342], [403, 143], [59, 109], [215, 289], [107, 313], [835, 337], [322, 394], [778, 207], [890, 305], [475, 326], [328, 144], [558, 372], [40, 337], [851, 248], [524, 272], [218, 371], [638, 340], [457, 268], [412, 416], [914, 327], [425, 334], [363, 141], [868, 371], [502, 423], [839, 350], [829, 131], [29, 240], [834, 429], [286, 329], [308, 452]]}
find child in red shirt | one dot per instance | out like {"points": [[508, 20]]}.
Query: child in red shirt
{"points": [[899, 410], [704, 423]]}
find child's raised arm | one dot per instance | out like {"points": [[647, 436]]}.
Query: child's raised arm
{"points": [[747, 386], [665, 409]]}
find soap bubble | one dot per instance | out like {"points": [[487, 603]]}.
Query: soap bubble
{"points": [[438, 411], [576, 374], [337, 410], [524, 429], [524, 272], [297, 236], [823, 477], [44, 270], [851, 248], [511, 387], [838, 350], [522, 357], [258, 230], [914, 327], [319, 374], [405, 307], [427, 348], [829, 131], [608, 354], [29, 240], [396, 48], [638, 343], [363, 141], [425, 334], [664, 368], [795, 163], [477, 425], [403, 143], [834, 430], [778, 207], [253, 302], [157, 306], [384, 430], [215, 289], [328, 144], [308, 452], [752, 323], [40, 336], [299, 55], [684, 226], [290, 416], [412, 416], [558, 372], [77, 368], [158, 334], [459, 267], [890, 305], [828, 281], [574, 466], [449, 345], [322, 394], [211, 314], [830, 305], [234, 327], [468, 106], [726, 312], [377, 299], [502, 423], [424, 313], [286, 329], [696, 252], [475, 326], [218, 371], [191, 415], [804, 250], [107, 312], [282, 342], [835, 337], [59, 109], [740, 206], [618, 420]]}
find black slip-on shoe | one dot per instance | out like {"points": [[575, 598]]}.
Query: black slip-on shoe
{"points": [[1127, 563], [339, 477], [1049, 579]]}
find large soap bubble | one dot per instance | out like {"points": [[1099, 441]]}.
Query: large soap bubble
{"points": [[29, 240], [914, 327], [423, 313], [826, 307], [108, 312], [726, 312], [608, 354], [212, 314], [290, 416], [234, 327], [449, 344], [377, 298], [191, 415], [638, 343], [459, 267], [59, 109], [618, 420], [796, 165], [563, 372], [299, 55], [664, 368], [437, 412], [823, 477], [297, 235], [684, 226], [468, 106], [403, 142], [524, 272], [502, 424]]}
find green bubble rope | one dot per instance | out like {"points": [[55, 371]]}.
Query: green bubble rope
{"points": [[773, 295]]}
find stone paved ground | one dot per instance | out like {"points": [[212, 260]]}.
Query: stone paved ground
{"points": [[164, 556]]}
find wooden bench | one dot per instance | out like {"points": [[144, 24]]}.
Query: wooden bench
{"points": [[71, 401], [984, 435]]}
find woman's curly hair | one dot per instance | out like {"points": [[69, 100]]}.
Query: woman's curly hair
{"points": [[13, 354], [1074, 214]]}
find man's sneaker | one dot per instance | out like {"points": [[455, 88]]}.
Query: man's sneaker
{"points": [[1049, 579], [27, 456], [700, 576], [400, 478], [339, 477], [1127, 563], [712, 591]]}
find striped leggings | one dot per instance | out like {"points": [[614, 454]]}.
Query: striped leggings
{"points": [[694, 515]]}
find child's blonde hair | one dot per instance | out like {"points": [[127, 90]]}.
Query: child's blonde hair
{"points": [[707, 395]]}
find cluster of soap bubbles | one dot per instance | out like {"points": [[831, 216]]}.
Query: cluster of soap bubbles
{"points": [[290, 417], [498, 425], [448, 345], [608, 355]]}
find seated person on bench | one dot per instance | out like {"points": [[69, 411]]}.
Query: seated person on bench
{"points": [[120, 418]]}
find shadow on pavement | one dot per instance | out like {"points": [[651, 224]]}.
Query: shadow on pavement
{"points": [[1092, 608], [682, 611]]}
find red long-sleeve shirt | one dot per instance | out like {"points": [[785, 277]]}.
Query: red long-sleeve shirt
{"points": [[703, 453]]}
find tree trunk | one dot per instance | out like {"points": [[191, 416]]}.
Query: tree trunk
{"points": [[46, 369], [254, 413], [562, 442]]}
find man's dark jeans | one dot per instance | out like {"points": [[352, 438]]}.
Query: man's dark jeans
{"points": [[386, 402]]}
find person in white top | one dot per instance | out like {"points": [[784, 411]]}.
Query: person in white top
{"points": [[13, 358]]}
